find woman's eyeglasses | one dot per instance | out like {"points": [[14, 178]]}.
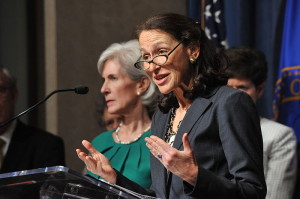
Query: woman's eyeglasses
{"points": [[157, 60]]}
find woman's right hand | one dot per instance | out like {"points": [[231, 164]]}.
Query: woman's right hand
{"points": [[97, 163]]}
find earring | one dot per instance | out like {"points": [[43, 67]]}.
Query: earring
{"points": [[192, 60], [138, 93]]}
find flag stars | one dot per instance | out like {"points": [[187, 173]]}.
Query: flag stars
{"points": [[214, 26], [217, 16], [207, 32], [224, 43], [207, 12]]}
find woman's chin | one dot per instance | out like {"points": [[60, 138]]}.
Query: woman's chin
{"points": [[164, 90]]}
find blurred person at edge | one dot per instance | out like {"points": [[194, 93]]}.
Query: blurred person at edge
{"points": [[248, 72], [25, 147], [206, 140], [105, 119], [130, 94], [111, 121]]}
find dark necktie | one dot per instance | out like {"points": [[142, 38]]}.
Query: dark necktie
{"points": [[2, 143]]}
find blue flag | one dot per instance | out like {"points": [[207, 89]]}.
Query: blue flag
{"points": [[212, 19], [286, 103]]}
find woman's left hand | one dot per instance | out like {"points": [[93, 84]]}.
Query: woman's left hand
{"points": [[180, 163]]}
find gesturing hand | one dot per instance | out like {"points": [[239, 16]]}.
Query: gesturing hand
{"points": [[180, 163], [97, 163]]}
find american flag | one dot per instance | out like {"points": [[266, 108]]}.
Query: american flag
{"points": [[211, 15], [214, 22]]}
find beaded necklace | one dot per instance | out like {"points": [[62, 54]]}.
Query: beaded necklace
{"points": [[135, 139], [170, 133]]}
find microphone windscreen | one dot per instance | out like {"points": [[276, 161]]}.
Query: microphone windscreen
{"points": [[81, 90]]}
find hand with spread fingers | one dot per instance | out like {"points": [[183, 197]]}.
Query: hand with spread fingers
{"points": [[180, 163], [97, 163]]}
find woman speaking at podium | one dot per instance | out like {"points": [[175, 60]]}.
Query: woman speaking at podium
{"points": [[206, 141]]}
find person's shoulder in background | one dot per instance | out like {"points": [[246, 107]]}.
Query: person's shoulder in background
{"points": [[271, 129], [47, 149]]}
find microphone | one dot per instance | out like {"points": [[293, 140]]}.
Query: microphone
{"points": [[78, 90], [82, 90]]}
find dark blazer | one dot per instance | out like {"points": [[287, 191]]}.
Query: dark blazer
{"points": [[32, 148], [224, 132]]}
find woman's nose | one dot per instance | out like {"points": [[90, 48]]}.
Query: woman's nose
{"points": [[104, 89], [153, 66]]}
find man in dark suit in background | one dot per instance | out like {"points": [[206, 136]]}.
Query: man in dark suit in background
{"points": [[23, 147]]}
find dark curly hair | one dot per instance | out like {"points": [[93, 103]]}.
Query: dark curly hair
{"points": [[209, 68], [247, 62]]}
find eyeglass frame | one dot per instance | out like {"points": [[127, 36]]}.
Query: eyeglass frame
{"points": [[151, 61]]}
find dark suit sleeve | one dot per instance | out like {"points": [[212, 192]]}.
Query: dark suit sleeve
{"points": [[240, 135], [49, 151]]}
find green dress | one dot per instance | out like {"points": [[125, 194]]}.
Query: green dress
{"points": [[132, 160]]}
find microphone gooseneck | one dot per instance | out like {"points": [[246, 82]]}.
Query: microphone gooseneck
{"points": [[78, 90], [81, 90]]}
